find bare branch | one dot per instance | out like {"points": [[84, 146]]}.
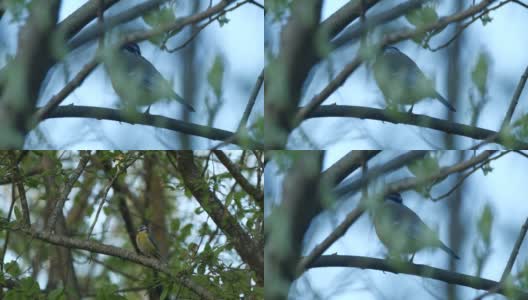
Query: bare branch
{"points": [[251, 101], [94, 246], [247, 248], [515, 251], [417, 120], [18, 183], [77, 111], [411, 269]]}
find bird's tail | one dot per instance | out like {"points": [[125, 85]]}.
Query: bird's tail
{"points": [[449, 251], [444, 101], [182, 101]]}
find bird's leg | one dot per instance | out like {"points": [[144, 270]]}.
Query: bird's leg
{"points": [[410, 110], [412, 257], [148, 110]]}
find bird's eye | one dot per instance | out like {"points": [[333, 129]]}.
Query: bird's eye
{"points": [[132, 48]]}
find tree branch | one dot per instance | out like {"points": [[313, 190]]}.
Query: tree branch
{"points": [[19, 184], [77, 111], [251, 101], [95, 31], [515, 251], [94, 246], [402, 267], [515, 98], [353, 32], [416, 120], [347, 164], [233, 169], [404, 184], [279, 128], [66, 191], [193, 179]]}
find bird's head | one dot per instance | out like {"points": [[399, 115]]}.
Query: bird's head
{"points": [[390, 49], [142, 228], [131, 48], [396, 197]]}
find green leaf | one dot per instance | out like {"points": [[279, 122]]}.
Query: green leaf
{"points": [[12, 269], [198, 210], [421, 18], [186, 230], [18, 214], [57, 294], [485, 223], [159, 18], [424, 167], [222, 20], [164, 294], [486, 19], [521, 127], [215, 76], [486, 168], [479, 75], [27, 288], [107, 210]]}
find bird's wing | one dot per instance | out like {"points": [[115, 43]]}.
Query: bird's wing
{"points": [[414, 227], [444, 101], [159, 86], [149, 76], [156, 249], [409, 72]]}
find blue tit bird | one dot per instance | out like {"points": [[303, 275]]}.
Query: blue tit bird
{"points": [[402, 231], [137, 81], [401, 81], [146, 244]]}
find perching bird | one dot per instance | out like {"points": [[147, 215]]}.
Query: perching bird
{"points": [[402, 231], [401, 81], [137, 81], [146, 244]]}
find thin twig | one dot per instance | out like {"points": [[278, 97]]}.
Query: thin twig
{"points": [[515, 99], [54, 102], [234, 170], [8, 232], [465, 176], [85, 157], [403, 184], [466, 25], [509, 114], [251, 101], [120, 170], [17, 182], [515, 251], [200, 28], [509, 265]]}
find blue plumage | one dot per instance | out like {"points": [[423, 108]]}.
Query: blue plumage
{"points": [[401, 81], [137, 81], [402, 231]]}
